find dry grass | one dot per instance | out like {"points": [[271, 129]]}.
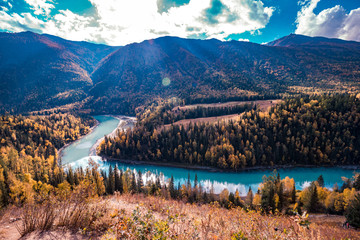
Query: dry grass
{"points": [[186, 122], [76, 212], [263, 105], [147, 217], [185, 221], [40, 217]]}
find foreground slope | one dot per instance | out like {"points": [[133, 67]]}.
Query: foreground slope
{"points": [[122, 217]]}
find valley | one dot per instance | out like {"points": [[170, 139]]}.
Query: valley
{"points": [[137, 141], [77, 155]]}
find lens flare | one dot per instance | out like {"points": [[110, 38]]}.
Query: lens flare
{"points": [[166, 82]]}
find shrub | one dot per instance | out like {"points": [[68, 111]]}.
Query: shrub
{"points": [[36, 217]]}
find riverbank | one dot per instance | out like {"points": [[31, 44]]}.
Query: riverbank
{"points": [[124, 123], [59, 152], [214, 169]]}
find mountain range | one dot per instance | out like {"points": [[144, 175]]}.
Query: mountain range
{"points": [[44, 71]]}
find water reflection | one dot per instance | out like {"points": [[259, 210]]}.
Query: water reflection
{"points": [[221, 180]]}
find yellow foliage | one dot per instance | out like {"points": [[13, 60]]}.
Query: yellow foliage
{"points": [[63, 190], [339, 203], [330, 200], [21, 191], [349, 195], [322, 193], [224, 195], [257, 200], [288, 184]]}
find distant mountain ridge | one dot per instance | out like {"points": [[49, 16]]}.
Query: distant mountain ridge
{"points": [[41, 71], [301, 40], [201, 69]]}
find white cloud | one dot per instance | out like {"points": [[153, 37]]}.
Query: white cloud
{"points": [[331, 22], [19, 22], [119, 22], [40, 7]]}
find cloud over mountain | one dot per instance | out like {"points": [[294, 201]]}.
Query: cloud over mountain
{"points": [[332, 22], [120, 22]]}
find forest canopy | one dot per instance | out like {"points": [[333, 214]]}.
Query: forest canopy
{"points": [[28, 157], [309, 130]]}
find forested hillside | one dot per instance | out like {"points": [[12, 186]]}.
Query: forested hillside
{"points": [[28, 153], [44, 71], [214, 71], [317, 130]]}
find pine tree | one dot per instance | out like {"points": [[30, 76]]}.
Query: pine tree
{"points": [[238, 201], [76, 178], [196, 181], [117, 179], [172, 188], [352, 213], [158, 183], [320, 181], [4, 188], [133, 186], [293, 194], [121, 182], [232, 198], [312, 203], [267, 197], [205, 197], [140, 183], [212, 193], [110, 182], [356, 183], [281, 196], [249, 198], [70, 176], [188, 182]]}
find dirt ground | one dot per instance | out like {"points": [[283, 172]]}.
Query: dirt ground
{"points": [[9, 231], [264, 105], [186, 122]]}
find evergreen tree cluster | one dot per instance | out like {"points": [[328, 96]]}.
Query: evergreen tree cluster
{"points": [[317, 130], [169, 111], [129, 181]]}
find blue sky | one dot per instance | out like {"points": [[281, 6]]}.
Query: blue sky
{"points": [[120, 22]]}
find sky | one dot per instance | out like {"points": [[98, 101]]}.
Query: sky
{"points": [[121, 22]]}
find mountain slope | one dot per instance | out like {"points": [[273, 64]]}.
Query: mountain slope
{"points": [[39, 71], [215, 70], [42, 71]]}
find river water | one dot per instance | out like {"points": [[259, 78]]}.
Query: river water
{"points": [[78, 153]]}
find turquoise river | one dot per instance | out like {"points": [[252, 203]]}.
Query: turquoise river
{"points": [[78, 153]]}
